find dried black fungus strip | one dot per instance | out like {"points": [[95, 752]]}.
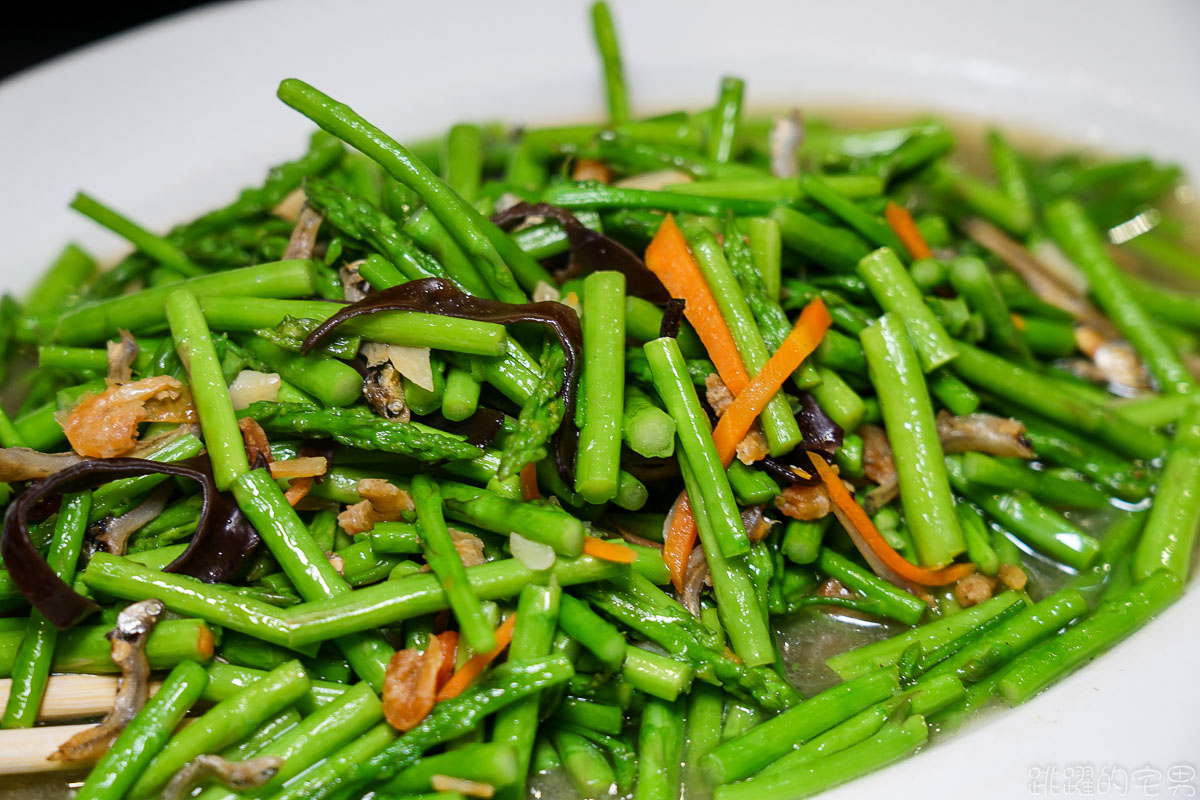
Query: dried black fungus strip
{"points": [[222, 545], [479, 429], [439, 296], [820, 432], [591, 250], [672, 318]]}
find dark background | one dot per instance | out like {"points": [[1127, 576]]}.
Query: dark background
{"points": [[34, 32]]}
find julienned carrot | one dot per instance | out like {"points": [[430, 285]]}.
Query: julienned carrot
{"points": [[668, 257], [866, 529], [469, 671], [679, 540], [529, 483], [608, 551], [800, 343], [904, 227]]}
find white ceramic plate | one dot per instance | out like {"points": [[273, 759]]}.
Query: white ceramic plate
{"points": [[169, 120]]}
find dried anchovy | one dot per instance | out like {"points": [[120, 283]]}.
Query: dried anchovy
{"points": [[128, 643], [237, 775]]}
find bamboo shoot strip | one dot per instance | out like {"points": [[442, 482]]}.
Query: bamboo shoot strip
{"points": [[306, 566], [908, 415], [71, 697], [145, 311], [695, 437], [599, 455], [194, 344]]}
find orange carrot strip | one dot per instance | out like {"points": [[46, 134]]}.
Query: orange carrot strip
{"points": [[904, 227], [800, 343], [1018, 321], [862, 523], [608, 551], [668, 257], [679, 540], [469, 671], [529, 485]]}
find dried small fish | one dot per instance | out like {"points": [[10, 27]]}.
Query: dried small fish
{"points": [[983, 433], [384, 392], [304, 236], [24, 464], [787, 134], [120, 357], [354, 286], [128, 646], [254, 438], [115, 531], [237, 775], [695, 578]]}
